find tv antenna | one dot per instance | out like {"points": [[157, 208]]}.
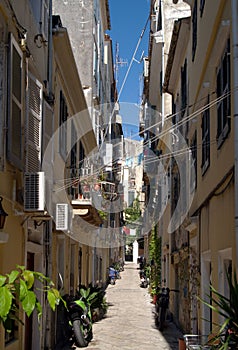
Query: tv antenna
{"points": [[141, 58], [119, 62]]}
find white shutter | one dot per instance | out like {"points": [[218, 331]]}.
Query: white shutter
{"points": [[61, 216], [33, 124], [34, 191]]}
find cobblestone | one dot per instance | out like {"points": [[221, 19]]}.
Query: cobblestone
{"points": [[129, 323]]}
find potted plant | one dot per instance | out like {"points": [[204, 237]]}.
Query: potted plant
{"points": [[98, 302], [227, 334]]}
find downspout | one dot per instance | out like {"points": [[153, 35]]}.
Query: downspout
{"points": [[234, 10], [163, 60], [3, 121], [50, 56]]}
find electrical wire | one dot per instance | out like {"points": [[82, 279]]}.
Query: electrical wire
{"points": [[127, 73], [159, 136]]}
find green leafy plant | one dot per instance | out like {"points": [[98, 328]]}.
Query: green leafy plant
{"points": [[132, 213], [228, 308], [17, 288], [155, 257], [95, 297]]}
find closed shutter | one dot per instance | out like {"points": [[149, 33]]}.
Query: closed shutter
{"points": [[15, 104], [61, 216], [34, 191], [33, 124]]}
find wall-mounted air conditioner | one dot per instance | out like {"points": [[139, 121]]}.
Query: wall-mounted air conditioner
{"points": [[61, 216], [34, 191]]}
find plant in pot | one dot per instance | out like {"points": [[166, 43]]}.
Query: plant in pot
{"points": [[99, 304], [227, 335]]}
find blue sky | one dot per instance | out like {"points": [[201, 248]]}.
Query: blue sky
{"points": [[128, 19]]}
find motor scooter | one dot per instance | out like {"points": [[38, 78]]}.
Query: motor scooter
{"points": [[112, 275], [76, 316], [80, 319], [143, 280]]}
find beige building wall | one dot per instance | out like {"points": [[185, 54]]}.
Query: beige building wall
{"points": [[210, 223]]}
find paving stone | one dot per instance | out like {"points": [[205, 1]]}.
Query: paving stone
{"points": [[129, 323]]}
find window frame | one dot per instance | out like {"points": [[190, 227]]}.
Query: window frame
{"points": [[206, 127], [223, 86], [193, 148], [184, 94], [63, 116], [12, 156], [202, 5], [194, 30], [41, 15]]}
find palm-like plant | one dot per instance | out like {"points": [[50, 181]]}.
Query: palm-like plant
{"points": [[227, 308]]}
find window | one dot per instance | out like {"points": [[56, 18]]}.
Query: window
{"points": [[13, 334], [193, 181], [223, 94], [194, 20], [73, 161], [205, 139], [175, 189], [63, 126], [15, 105], [40, 10], [202, 4], [184, 88]]}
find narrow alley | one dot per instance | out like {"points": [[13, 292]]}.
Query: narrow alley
{"points": [[129, 322]]}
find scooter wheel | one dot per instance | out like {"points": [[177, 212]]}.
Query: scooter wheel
{"points": [[81, 339]]}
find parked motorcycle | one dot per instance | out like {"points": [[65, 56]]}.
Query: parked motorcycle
{"points": [[76, 319], [161, 306], [80, 317], [143, 280], [112, 275]]}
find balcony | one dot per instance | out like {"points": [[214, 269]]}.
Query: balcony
{"points": [[86, 201], [90, 197]]}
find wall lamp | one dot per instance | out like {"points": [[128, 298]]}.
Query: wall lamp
{"points": [[3, 215]]}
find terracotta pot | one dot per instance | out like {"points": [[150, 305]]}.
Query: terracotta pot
{"points": [[154, 299], [182, 345]]}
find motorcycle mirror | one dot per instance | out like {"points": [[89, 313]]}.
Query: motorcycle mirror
{"points": [[61, 284]]}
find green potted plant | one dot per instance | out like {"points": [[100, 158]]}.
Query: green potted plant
{"points": [[228, 308], [97, 300]]}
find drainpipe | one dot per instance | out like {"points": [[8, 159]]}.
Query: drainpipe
{"points": [[50, 55], [234, 10], [2, 106], [163, 59]]}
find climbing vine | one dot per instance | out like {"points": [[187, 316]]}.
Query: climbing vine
{"points": [[155, 258]]}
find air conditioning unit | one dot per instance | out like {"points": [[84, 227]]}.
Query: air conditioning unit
{"points": [[34, 191], [61, 216]]}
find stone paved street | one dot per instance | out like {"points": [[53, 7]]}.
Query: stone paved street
{"points": [[129, 323]]}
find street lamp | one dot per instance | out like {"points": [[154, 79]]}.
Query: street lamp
{"points": [[3, 214]]}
